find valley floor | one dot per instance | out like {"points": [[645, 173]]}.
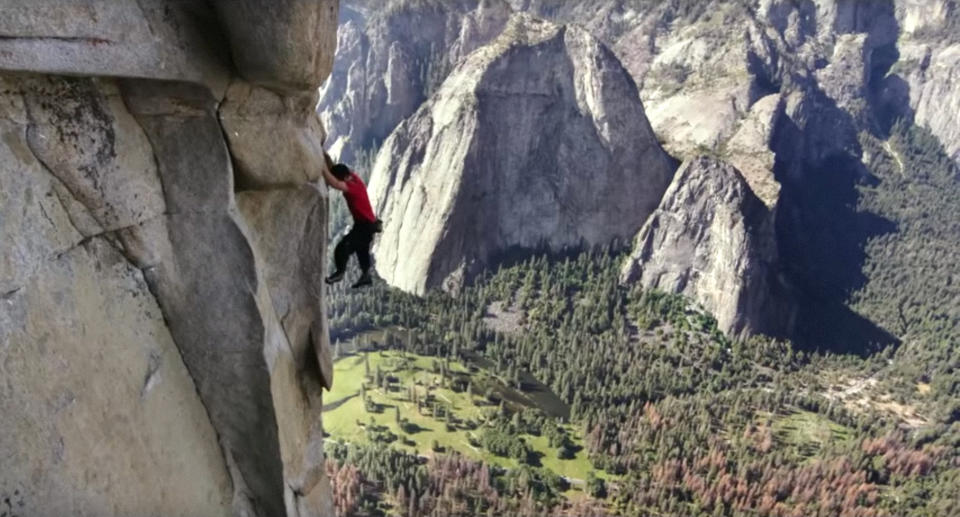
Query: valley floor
{"points": [[547, 389]]}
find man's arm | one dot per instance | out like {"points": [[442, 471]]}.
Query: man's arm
{"points": [[329, 178]]}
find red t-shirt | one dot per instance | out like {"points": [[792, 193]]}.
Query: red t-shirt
{"points": [[357, 200]]}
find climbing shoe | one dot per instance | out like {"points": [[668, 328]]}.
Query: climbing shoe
{"points": [[334, 278], [364, 280]]}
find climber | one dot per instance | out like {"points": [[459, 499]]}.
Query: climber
{"points": [[365, 223]]}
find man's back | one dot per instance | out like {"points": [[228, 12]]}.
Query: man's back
{"points": [[358, 201]]}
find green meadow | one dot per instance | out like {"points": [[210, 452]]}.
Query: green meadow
{"points": [[424, 405]]}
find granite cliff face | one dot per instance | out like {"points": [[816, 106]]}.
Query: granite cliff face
{"points": [[536, 139], [924, 83], [713, 237], [163, 345], [789, 93], [702, 66], [390, 58]]}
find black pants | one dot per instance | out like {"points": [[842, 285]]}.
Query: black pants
{"points": [[357, 241]]}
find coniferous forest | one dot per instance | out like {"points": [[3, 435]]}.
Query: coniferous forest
{"points": [[673, 417]]}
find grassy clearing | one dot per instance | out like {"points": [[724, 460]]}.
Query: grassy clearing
{"points": [[405, 376], [809, 432]]}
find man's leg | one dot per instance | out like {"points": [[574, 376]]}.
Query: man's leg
{"points": [[362, 249], [363, 255], [341, 255]]}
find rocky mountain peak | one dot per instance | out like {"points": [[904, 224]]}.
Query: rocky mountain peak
{"points": [[713, 239], [518, 148]]}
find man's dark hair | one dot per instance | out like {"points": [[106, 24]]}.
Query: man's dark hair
{"points": [[340, 171]]}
